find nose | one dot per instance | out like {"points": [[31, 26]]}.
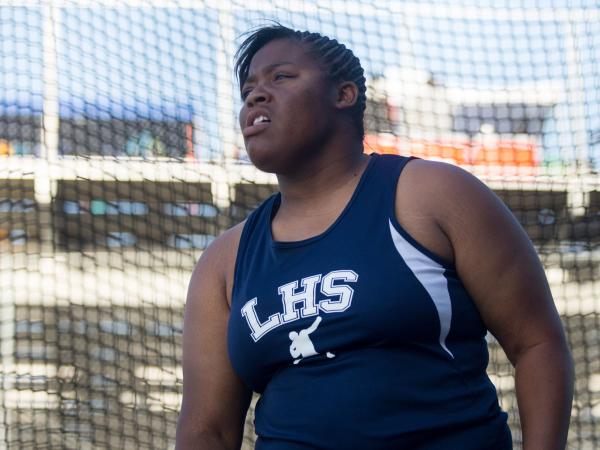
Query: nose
{"points": [[256, 96]]}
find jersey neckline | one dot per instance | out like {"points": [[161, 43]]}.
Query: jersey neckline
{"points": [[291, 244]]}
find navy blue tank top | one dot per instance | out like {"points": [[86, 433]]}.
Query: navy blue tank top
{"points": [[360, 338]]}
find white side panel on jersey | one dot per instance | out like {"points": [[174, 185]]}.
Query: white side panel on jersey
{"points": [[431, 275]]}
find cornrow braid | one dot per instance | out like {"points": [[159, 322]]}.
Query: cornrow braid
{"points": [[338, 61]]}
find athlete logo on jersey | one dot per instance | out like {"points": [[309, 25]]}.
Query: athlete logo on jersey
{"points": [[301, 302], [302, 346]]}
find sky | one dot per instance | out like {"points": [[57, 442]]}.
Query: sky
{"points": [[165, 62]]}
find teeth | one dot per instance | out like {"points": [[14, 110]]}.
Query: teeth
{"points": [[260, 119]]}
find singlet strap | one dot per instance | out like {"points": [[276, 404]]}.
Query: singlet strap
{"points": [[391, 167], [253, 222]]}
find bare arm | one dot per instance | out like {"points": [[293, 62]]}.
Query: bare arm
{"points": [[500, 269], [215, 400]]}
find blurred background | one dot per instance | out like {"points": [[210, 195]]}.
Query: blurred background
{"points": [[121, 159]]}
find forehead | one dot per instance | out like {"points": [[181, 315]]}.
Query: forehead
{"points": [[281, 51]]}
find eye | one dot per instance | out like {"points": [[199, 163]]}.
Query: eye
{"points": [[245, 93], [279, 76]]}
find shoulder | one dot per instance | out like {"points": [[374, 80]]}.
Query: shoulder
{"points": [[219, 253], [473, 220], [441, 205], [216, 264], [444, 190], [435, 176]]}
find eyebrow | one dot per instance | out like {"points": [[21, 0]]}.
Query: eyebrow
{"points": [[268, 69]]}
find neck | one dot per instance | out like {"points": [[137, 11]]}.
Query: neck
{"points": [[333, 170]]}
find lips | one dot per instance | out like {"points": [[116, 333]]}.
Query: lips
{"points": [[256, 121]]}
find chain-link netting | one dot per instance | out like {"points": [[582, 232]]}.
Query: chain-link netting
{"points": [[121, 159]]}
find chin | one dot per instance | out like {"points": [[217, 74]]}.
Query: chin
{"points": [[262, 159], [273, 157]]}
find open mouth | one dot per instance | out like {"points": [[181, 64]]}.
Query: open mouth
{"points": [[261, 119], [256, 123]]}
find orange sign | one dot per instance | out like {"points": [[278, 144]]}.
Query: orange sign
{"points": [[493, 153]]}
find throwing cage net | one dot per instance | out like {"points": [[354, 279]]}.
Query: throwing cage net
{"points": [[121, 159]]}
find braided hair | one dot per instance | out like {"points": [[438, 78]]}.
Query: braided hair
{"points": [[338, 61]]}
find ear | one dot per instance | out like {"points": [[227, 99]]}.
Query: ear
{"points": [[347, 95]]}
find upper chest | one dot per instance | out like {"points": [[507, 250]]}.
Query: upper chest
{"points": [[359, 279]]}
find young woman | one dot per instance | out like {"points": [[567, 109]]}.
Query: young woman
{"points": [[356, 301]]}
